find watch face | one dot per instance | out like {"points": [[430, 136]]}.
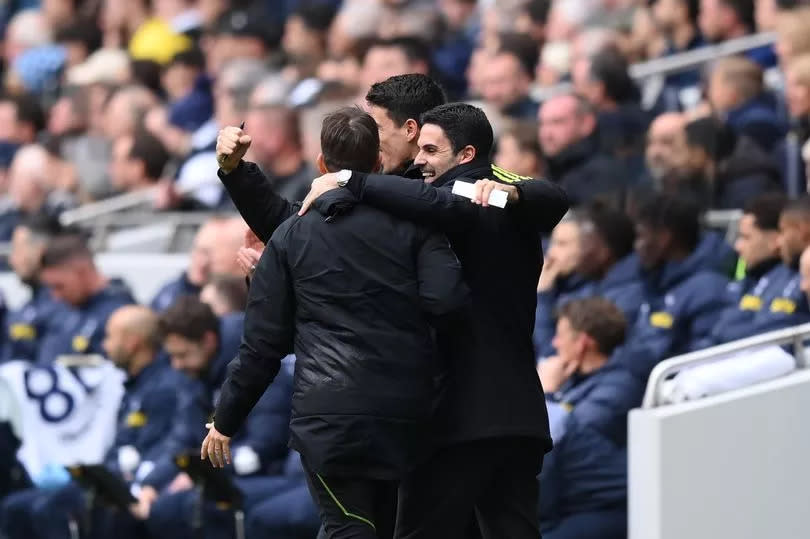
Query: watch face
{"points": [[344, 176]]}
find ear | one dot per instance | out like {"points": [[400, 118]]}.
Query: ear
{"points": [[411, 130], [321, 164], [467, 154], [588, 124]]}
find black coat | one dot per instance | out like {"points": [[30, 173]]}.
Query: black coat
{"points": [[494, 389], [351, 290], [588, 175]]}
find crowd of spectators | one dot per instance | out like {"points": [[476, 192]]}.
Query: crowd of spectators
{"points": [[104, 97]]}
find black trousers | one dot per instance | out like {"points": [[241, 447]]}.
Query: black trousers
{"points": [[353, 507], [493, 482]]}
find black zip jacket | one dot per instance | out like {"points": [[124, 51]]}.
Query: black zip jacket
{"points": [[493, 388], [351, 290]]}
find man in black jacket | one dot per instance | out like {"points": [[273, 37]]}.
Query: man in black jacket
{"points": [[352, 290], [491, 428]]}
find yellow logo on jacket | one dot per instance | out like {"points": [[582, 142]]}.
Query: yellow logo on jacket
{"points": [[661, 319], [80, 343], [783, 305], [136, 420], [750, 303], [22, 332]]}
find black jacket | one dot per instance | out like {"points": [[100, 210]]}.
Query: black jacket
{"points": [[588, 175], [351, 290], [493, 386]]}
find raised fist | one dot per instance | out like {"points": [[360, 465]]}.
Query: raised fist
{"points": [[232, 143]]}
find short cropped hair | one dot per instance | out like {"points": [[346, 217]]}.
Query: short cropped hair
{"points": [[678, 215], [189, 318], [350, 140], [65, 248], [766, 210], [614, 227], [599, 319], [406, 97], [232, 290], [463, 125]]}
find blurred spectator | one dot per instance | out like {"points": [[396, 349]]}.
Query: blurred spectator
{"points": [[305, 36], [611, 266], [507, 79], [559, 281], [603, 79], [104, 66], [26, 30], [567, 133], [386, 58], [126, 109], [532, 20], [792, 37], [199, 270], [667, 152], [155, 39], [202, 346], [721, 20], [80, 38], [804, 271], [230, 237], [726, 170], [794, 231], [278, 150], [21, 118], [191, 103], [225, 294], [737, 95], [70, 273], [584, 478], [28, 324], [677, 21], [797, 97], [138, 162], [519, 150], [36, 71], [684, 295], [239, 35], [452, 55], [769, 297]]}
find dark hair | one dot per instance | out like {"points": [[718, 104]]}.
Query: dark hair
{"points": [[350, 140], [192, 58], [799, 207], [147, 73], [538, 10], [41, 226], [189, 318], [463, 125], [414, 49], [610, 68], [678, 215], [614, 227], [521, 47], [716, 138], [232, 289], [65, 248], [693, 10], [525, 133], [766, 210], [599, 319], [147, 148], [316, 15], [406, 97], [81, 30], [28, 110], [744, 9]]}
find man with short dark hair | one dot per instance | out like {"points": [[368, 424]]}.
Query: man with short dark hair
{"points": [[354, 292], [225, 294], [769, 297], [721, 20], [21, 119], [69, 272], [385, 58], [507, 80], [138, 162], [584, 480], [490, 427]]}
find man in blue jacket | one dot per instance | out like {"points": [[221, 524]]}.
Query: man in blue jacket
{"points": [[201, 345], [607, 237], [26, 326], [70, 273], [683, 298], [584, 481], [770, 296], [156, 399]]}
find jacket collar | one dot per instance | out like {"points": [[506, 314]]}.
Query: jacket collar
{"points": [[571, 157], [758, 271], [335, 202], [474, 170]]}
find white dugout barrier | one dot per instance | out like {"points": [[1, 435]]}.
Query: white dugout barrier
{"points": [[732, 465]]}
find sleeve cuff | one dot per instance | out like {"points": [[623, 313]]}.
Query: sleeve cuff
{"points": [[356, 184]]}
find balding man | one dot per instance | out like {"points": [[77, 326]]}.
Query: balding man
{"points": [[567, 127], [666, 151], [156, 399], [125, 108]]}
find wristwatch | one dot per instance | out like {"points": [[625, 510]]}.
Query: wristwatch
{"points": [[343, 177]]}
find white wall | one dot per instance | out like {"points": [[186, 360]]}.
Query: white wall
{"points": [[732, 466]]}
